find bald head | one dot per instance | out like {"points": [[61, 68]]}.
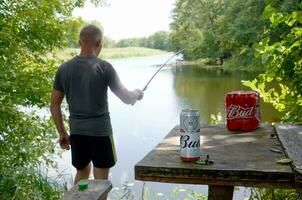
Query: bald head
{"points": [[90, 34]]}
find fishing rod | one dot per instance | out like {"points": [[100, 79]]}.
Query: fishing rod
{"points": [[144, 88]]}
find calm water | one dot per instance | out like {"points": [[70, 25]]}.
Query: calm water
{"points": [[138, 128]]}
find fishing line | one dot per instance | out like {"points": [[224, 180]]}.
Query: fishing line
{"points": [[144, 88]]}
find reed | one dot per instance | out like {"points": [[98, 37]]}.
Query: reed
{"points": [[27, 183]]}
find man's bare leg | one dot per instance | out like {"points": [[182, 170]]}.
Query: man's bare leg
{"points": [[83, 173], [101, 173]]}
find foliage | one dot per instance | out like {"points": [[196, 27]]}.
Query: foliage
{"points": [[26, 183], [223, 30], [73, 29], [217, 30], [274, 194], [132, 42], [29, 32], [282, 58], [216, 119], [178, 192], [183, 193], [187, 27], [108, 43], [158, 40]]}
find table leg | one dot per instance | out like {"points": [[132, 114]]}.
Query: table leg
{"points": [[217, 192]]}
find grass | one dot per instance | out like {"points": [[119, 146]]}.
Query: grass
{"points": [[21, 183], [113, 53]]}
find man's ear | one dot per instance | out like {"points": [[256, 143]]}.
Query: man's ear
{"points": [[79, 42], [99, 43]]}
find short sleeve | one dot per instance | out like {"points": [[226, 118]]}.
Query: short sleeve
{"points": [[113, 80], [57, 84]]}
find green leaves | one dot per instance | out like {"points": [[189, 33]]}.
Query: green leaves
{"points": [[277, 18], [297, 16], [217, 30], [281, 56], [29, 33], [25, 183], [158, 40], [268, 11]]}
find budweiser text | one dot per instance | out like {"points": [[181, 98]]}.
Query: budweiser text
{"points": [[242, 110]]}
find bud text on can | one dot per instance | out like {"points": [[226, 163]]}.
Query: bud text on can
{"points": [[242, 110]]}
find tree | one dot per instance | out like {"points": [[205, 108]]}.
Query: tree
{"points": [[129, 42], [217, 29], [158, 40], [193, 22], [29, 32], [108, 43], [73, 29], [282, 57]]}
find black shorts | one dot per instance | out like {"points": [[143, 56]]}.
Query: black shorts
{"points": [[98, 149]]}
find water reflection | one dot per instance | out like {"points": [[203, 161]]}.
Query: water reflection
{"points": [[205, 89]]}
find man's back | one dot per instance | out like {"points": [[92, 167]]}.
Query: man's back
{"points": [[84, 80]]}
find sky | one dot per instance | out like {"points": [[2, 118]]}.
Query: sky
{"points": [[129, 18]]}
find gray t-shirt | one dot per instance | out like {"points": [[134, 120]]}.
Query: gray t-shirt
{"points": [[85, 80]]}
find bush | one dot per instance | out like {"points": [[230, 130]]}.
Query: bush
{"points": [[22, 183]]}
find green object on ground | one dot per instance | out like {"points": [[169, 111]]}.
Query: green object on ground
{"points": [[205, 162], [83, 185]]}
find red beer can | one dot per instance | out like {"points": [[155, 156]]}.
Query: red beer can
{"points": [[189, 135], [242, 110]]}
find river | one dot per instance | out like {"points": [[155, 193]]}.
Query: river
{"points": [[138, 128]]}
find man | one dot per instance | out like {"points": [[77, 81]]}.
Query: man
{"points": [[85, 80]]}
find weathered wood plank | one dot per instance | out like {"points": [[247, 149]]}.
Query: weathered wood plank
{"points": [[291, 139], [226, 182], [239, 159], [97, 190]]}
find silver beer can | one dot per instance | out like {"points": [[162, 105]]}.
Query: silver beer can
{"points": [[189, 135]]}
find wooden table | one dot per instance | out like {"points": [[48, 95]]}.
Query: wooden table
{"points": [[240, 159], [291, 138]]}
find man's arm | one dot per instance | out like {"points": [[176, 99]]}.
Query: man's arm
{"points": [[128, 97], [55, 109]]}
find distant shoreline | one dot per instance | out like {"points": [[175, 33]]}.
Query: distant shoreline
{"points": [[202, 63], [128, 52], [113, 53]]}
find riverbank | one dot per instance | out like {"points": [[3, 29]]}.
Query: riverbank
{"points": [[127, 52], [113, 53]]}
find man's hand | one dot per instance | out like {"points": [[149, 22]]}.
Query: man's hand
{"points": [[129, 97], [140, 94], [55, 108], [64, 141]]}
